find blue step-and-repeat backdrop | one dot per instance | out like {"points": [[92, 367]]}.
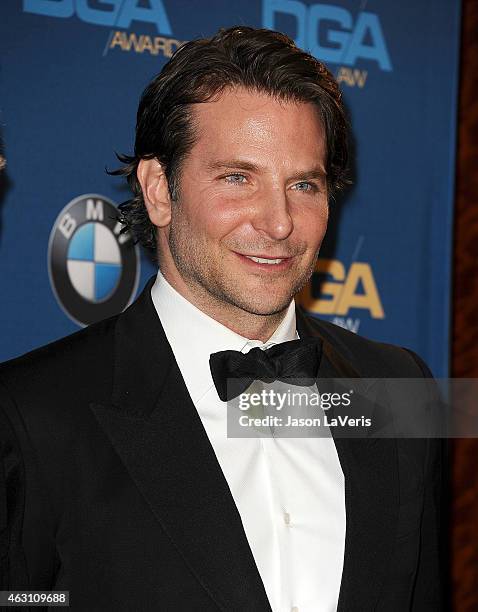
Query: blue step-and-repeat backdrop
{"points": [[71, 75]]}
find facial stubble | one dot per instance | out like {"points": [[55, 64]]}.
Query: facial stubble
{"points": [[211, 287]]}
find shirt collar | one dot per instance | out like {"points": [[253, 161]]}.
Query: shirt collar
{"points": [[194, 335]]}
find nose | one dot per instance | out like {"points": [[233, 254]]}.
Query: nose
{"points": [[271, 214]]}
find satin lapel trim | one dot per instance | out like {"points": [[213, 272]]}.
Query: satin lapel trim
{"points": [[370, 467], [155, 428]]}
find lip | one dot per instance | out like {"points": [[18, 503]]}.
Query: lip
{"points": [[254, 265]]}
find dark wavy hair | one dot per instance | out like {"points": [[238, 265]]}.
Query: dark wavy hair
{"points": [[255, 59]]}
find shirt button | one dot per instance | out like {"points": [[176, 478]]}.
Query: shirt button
{"points": [[287, 522]]}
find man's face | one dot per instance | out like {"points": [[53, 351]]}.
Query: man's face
{"points": [[252, 186]]}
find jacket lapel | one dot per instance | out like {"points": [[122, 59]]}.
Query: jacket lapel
{"points": [[370, 467], [156, 430]]}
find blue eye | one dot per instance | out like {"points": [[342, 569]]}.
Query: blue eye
{"points": [[308, 186], [230, 178]]}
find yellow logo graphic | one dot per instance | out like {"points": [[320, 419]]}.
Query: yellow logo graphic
{"points": [[339, 294]]}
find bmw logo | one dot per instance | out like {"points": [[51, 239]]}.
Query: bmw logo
{"points": [[93, 267]]}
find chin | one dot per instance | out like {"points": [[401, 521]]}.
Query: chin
{"points": [[264, 307], [255, 298]]}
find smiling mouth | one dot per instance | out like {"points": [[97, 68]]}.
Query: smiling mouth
{"points": [[265, 260], [264, 263]]}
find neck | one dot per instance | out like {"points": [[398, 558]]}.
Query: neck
{"points": [[249, 325]]}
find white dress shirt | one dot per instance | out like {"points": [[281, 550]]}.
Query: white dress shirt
{"points": [[289, 492]]}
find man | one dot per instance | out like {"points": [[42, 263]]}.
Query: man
{"points": [[125, 489]]}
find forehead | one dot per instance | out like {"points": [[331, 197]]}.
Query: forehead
{"points": [[242, 122]]}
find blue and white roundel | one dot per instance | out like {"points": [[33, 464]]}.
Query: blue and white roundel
{"points": [[94, 262]]}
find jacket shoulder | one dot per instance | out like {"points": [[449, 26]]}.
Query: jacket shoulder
{"points": [[369, 357], [65, 363]]}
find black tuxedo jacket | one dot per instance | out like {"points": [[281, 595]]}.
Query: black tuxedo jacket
{"points": [[109, 487]]}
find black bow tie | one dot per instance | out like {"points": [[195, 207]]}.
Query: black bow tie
{"points": [[296, 361]]}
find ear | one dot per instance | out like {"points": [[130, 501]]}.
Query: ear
{"points": [[155, 189]]}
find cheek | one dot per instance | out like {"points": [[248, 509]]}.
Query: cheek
{"points": [[310, 225], [219, 216]]}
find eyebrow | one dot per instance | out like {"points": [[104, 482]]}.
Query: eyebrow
{"points": [[240, 164]]}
